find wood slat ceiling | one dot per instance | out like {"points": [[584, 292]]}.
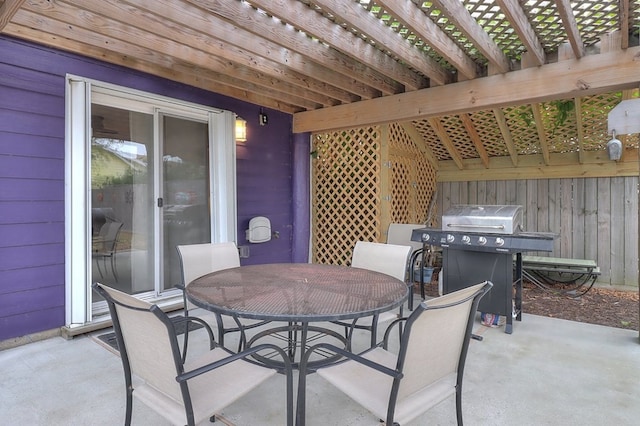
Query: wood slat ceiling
{"points": [[485, 84]]}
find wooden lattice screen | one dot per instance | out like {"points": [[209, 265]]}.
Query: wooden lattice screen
{"points": [[362, 180]]}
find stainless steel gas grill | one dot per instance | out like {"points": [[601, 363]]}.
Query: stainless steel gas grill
{"points": [[479, 243]]}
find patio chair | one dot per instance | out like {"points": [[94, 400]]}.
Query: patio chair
{"points": [[156, 374], [400, 234], [106, 247], [427, 369], [197, 260], [388, 259]]}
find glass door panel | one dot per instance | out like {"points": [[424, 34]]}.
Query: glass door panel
{"points": [[122, 199], [185, 189]]}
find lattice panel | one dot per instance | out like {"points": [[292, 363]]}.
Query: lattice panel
{"points": [[346, 192], [459, 136], [402, 204], [432, 140], [595, 110], [413, 178], [561, 129], [522, 126], [488, 130]]}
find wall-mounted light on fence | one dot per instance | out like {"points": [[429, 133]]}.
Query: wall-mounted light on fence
{"points": [[614, 148], [241, 130]]}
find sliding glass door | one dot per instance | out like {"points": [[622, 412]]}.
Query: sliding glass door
{"points": [[159, 173]]}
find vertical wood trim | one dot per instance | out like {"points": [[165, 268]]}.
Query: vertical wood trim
{"points": [[567, 214], [385, 180], [603, 229], [631, 231], [617, 232], [578, 208]]}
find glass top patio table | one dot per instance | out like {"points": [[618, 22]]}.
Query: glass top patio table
{"points": [[297, 292]]}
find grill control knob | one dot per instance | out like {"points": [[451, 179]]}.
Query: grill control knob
{"points": [[466, 239], [450, 238], [499, 241], [426, 237], [482, 240]]}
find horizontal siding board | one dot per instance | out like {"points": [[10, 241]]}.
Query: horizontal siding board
{"points": [[31, 80], [31, 145], [31, 322], [28, 211], [32, 124], [17, 166], [16, 99], [23, 301], [14, 189], [31, 234], [31, 278], [31, 256]]}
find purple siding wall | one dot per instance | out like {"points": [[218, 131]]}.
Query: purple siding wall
{"points": [[32, 177]]}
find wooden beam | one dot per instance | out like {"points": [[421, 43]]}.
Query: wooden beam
{"points": [[417, 138], [563, 165], [461, 18], [475, 138], [521, 25], [437, 126], [7, 10], [571, 27], [159, 66], [579, 125], [506, 134], [308, 20], [148, 30], [420, 24], [591, 74], [542, 135], [365, 22], [624, 22], [244, 26]]}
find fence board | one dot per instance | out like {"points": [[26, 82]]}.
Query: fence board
{"points": [[631, 231]]}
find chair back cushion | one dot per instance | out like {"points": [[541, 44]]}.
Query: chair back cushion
{"points": [[147, 340], [197, 260], [434, 339], [400, 234], [390, 259]]}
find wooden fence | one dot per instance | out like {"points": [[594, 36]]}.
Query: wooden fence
{"points": [[595, 218]]}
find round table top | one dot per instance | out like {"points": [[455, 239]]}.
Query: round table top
{"points": [[297, 292]]}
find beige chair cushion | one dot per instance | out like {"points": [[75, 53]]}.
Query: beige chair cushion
{"points": [[210, 392]]}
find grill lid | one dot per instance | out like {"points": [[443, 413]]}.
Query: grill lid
{"points": [[494, 219]]}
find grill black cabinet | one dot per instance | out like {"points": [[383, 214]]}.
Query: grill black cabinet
{"points": [[471, 257]]}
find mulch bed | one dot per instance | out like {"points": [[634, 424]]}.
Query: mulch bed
{"points": [[603, 306]]}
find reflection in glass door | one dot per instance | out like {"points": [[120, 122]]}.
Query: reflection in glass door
{"points": [[185, 190], [122, 231], [123, 197]]}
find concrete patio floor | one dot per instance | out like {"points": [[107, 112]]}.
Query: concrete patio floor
{"points": [[548, 372]]}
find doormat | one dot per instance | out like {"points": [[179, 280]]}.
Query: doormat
{"points": [[110, 338]]}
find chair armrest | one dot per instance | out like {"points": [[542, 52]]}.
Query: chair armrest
{"points": [[187, 319], [385, 339], [349, 355], [180, 286], [187, 375]]}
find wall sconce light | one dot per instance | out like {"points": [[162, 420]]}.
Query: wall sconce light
{"points": [[241, 130], [614, 148]]}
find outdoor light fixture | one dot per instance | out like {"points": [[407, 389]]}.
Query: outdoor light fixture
{"points": [[614, 148], [241, 129]]}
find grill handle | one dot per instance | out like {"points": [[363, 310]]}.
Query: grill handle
{"points": [[449, 225]]}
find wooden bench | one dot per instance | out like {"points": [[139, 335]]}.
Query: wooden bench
{"points": [[572, 273]]}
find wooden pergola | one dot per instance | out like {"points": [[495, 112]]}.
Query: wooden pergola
{"points": [[520, 88]]}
